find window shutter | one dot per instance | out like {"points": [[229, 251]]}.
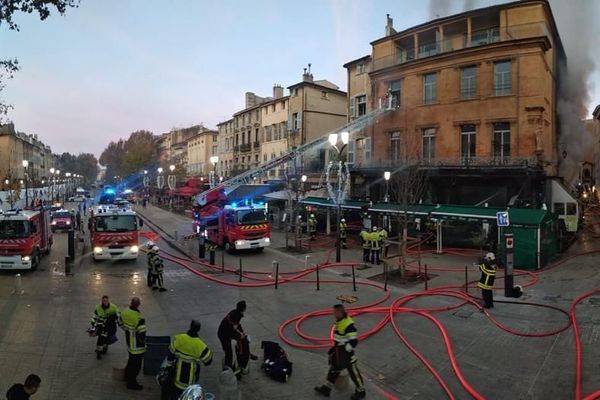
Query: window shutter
{"points": [[367, 149], [351, 147], [352, 107], [299, 120]]}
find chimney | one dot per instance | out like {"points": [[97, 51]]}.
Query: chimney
{"points": [[307, 76], [389, 26], [277, 91], [250, 99]]}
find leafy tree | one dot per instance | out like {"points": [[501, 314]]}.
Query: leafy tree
{"points": [[140, 151], [87, 166], [8, 8], [112, 158]]}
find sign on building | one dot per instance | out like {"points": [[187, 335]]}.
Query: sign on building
{"points": [[502, 218]]}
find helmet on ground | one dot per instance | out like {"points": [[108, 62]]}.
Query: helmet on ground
{"points": [[155, 248], [489, 256]]}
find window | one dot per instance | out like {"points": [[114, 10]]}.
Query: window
{"points": [[296, 121], [361, 105], [266, 110], [468, 82], [273, 107], [395, 146], [295, 92], [501, 142], [367, 149], [467, 142], [502, 78], [571, 208], [283, 105], [429, 88], [395, 90], [258, 115], [351, 149], [324, 94], [360, 69], [256, 134], [265, 157], [428, 144]]}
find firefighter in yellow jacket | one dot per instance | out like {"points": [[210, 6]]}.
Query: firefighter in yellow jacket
{"points": [[341, 355], [104, 325], [312, 226], [186, 352], [486, 281], [343, 232], [134, 325]]}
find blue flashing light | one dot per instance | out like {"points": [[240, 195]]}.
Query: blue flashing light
{"points": [[109, 191], [234, 204]]}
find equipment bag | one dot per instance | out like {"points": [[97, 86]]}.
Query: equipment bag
{"points": [[276, 364]]}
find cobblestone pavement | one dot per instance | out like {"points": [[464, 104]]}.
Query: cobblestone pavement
{"points": [[43, 330]]}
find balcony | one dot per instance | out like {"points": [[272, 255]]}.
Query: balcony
{"points": [[405, 49], [245, 147], [437, 163], [256, 145]]}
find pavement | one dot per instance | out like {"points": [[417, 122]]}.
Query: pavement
{"points": [[43, 330]]}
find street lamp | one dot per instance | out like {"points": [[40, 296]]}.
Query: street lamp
{"points": [[67, 185], [10, 193], [386, 176], [337, 196], [172, 183], [25, 175]]}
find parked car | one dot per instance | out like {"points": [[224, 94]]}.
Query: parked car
{"points": [[77, 198]]}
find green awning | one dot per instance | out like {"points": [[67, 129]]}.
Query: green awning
{"points": [[324, 202], [465, 212], [392, 208]]}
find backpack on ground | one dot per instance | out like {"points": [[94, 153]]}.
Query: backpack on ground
{"points": [[276, 363]]}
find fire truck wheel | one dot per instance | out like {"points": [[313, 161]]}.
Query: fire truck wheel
{"points": [[260, 249], [229, 247]]}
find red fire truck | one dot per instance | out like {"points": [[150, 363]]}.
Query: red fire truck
{"points": [[25, 235], [240, 226], [114, 233]]}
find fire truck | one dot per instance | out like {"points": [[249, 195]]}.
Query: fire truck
{"points": [[240, 226], [114, 233], [243, 225], [25, 236]]}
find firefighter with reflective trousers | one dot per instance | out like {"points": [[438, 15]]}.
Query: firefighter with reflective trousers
{"points": [[341, 355], [343, 232], [366, 244], [134, 325], [186, 352], [312, 227], [375, 240], [486, 282], [104, 325], [151, 256]]}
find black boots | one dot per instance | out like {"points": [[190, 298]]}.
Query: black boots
{"points": [[323, 390]]}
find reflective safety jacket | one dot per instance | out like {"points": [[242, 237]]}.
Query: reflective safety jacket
{"points": [[134, 326], [151, 258], [343, 229], [364, 236], [312, 224], [375, 240], [186, 352], [382, 235], [488, 274], [157, 266], [105, 316], [344, 332]]}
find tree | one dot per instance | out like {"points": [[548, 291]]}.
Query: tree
{"points": [[87, 166], [112, 158], [140, 151], [7, 10]]}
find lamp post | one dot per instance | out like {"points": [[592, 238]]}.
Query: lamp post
{"points": [[10, 193], [386, 176], [67, 184], [25, 176], [337, 195], [213, 174], [172, 183], [52, 170], [58, 188]]}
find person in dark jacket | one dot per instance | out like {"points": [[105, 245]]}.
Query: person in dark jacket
{"points": [[231, 329], [24, 392]]}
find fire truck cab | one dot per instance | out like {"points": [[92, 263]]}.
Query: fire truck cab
{"points": [[25, 235], [240, 226], [114, 233]]}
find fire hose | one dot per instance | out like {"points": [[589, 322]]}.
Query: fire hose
{"points": [[399, 306]]}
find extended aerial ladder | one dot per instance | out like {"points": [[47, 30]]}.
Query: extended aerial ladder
{"points": [[219, 193]]}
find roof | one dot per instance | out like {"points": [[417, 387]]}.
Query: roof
{"points": [[316, 85], [19, 214], [358, 60], [225, 122], [323, 202], [273, 100], [438, 21], [393, 208], [457, 211]]}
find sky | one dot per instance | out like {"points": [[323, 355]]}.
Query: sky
{"points": [[111, 67]]}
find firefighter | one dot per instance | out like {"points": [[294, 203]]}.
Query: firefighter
{"points": [[104, 325], [375, 241], [151, 256], [312, 227], [486, 282], [231, 329], [383, 235], [341, 355], [343, 232], [186, 352], [156, 270], [366, 244], [134, 325]]}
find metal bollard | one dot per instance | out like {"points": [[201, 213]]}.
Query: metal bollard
{"points": [[18, 285], [385, 276], [222, 260], [353, 279], [240, 269], [318, 281], [306, 258], [276, 268], [67, 265], [466, 279], [426, 278], [211, 254], [201, 249]]}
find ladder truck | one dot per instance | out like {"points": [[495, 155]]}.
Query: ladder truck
{"points": [[211, 210]]}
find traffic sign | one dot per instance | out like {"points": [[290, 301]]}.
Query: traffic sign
{"points": [[502, 218]]}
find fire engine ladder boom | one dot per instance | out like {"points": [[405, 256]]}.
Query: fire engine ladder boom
{"points": [[247, 177]]}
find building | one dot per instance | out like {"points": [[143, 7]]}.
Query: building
{"points": [[200, 148], [274, 119], [247, 135], [173, 145], [316, 107], [225, 148], [475, 105], [15, 147]]}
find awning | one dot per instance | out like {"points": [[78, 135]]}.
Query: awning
{"points": [[328, 203], [392, 208], [465, 213], [186, 191], [280, 195]]}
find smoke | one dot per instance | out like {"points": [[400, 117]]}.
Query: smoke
{"points": [[439, 8]]}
